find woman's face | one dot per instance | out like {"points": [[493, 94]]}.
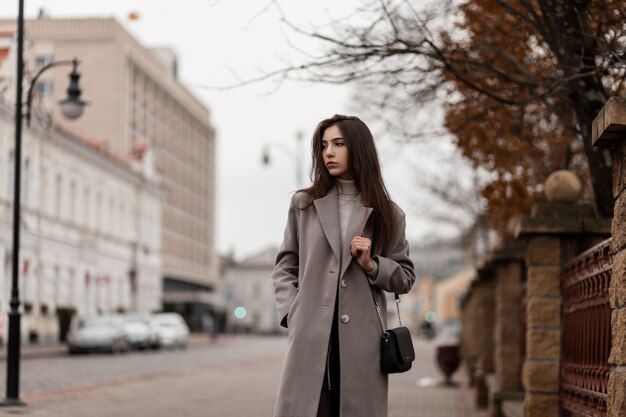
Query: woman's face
{"points": [[335, 153]]}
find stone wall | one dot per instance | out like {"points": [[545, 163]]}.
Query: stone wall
{"points": [[543, 321], [525, 271], [609, 131], [477, 320], [555, 233], [507, 262]]}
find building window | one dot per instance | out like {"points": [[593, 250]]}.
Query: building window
{"points": [[24, 282], [98, 211], [87, 296], [43, 189], [122, 219], [73, 201], [10, 177], [72, 287], [56, 282], [58, 194], [121, 293], [109, 293], [111, 216], [44, 88], [86, 195], [135, 221], [26, 190], [43, 60]]}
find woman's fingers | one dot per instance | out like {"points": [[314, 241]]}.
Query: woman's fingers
{"points": [[361, 240], [359, 246]]}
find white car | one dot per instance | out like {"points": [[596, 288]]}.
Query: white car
{"points": [[138, 332], [100, 333], [171, 330]]}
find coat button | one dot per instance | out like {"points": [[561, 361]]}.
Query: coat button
{"points": [[345, 318], [344, 284]]}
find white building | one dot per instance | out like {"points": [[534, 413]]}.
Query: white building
{"points": [[249, 294], [90, 229], [136, 99]]}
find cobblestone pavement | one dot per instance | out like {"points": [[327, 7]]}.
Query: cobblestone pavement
{"points": [[236, 377]]}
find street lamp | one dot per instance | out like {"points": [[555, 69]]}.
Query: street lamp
{"points": [[73, 104], [72, 107], [266, 159]]}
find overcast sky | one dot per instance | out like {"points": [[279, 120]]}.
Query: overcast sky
{"points": [[221, 42]]}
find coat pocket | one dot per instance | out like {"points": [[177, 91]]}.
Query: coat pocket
{"points": [[292, 310]]}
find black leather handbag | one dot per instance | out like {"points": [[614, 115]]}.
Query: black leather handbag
{"points": [[396, 347]]}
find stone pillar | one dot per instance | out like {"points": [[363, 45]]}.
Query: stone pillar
{"points": [[469, 349], [508, 261], [609, 131], [555, 233], [477, 332]]}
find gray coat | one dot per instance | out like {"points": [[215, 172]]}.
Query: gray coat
{"points": [[308, 270]]}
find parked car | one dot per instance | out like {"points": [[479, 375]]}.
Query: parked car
{"points": [[139, 334], [171, 330], [101, 333]]}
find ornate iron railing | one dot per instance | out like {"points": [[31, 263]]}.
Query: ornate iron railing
{"points": [[523, 326], [586, 342]]}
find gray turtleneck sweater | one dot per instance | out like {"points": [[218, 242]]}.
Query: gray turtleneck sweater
{"points": [[349, 201]]}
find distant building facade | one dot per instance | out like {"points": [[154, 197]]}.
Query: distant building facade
{"points": [[136, 99], [439, 259], [248, 294], [441, 269]]}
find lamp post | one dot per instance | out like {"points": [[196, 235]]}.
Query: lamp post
{"points": [[72, 107], [266, 159]]}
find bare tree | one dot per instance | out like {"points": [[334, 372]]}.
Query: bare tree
{"points": [[550, 62]]}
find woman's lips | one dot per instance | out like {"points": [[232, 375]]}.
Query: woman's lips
{"points": [[331, 163]]}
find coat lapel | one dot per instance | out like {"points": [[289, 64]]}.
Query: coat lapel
{"points": [[328, 212], [360, 216]]}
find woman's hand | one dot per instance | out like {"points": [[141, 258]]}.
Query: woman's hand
{"points": [[360, 247]]}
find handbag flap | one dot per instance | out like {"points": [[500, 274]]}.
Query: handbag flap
{"points": [[404, 343]]}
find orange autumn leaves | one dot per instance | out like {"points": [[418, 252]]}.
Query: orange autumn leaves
{"points": [[508, 104]]}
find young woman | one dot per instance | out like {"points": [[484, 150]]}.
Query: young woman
{"points": [[343, 234]]}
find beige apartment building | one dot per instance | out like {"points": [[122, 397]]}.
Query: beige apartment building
{"points": [[136, 98]]}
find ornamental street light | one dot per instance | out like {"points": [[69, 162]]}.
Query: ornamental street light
{"points": [[72, 107], [73, 104]]}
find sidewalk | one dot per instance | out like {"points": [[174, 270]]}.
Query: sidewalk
{"points": [[420, 392]]}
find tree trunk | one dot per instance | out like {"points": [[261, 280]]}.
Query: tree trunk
{"points": [[569, 35], [599, 161]]}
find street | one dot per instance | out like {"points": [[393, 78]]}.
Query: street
{"points": [[235, 377]]}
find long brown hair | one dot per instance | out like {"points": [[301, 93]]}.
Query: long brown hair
{"points": [[363, 162]]}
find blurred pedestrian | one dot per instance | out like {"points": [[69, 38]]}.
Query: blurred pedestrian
{"points": [[209, 325], [426, 330], [343, 234]]}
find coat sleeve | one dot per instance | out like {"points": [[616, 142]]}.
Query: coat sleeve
{"points": [[285, 274], [395, 268]]}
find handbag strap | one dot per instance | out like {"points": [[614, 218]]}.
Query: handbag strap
{"points": [[378, 310], [397, 297]]}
